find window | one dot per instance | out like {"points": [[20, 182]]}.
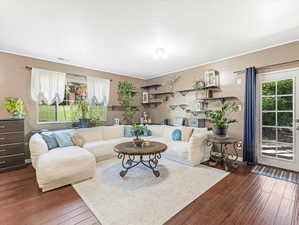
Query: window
{"points": [[68, 110]]}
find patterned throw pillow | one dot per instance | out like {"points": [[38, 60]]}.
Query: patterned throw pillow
{"points": [[147, 132], [50, 140], [186, 133], [64, 139], [128, 131], [78, 140], [176, 135]]}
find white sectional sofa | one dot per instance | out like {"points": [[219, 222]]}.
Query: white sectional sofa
{"points": [[66, 165]]}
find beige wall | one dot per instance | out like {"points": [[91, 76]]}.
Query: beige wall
{"points": [[228, 82], [15, 82]]}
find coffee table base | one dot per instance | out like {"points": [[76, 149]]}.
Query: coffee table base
{"points": [[129, 161]]}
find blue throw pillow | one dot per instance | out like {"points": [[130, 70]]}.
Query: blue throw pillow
{"points": [[147, 132], [128, 131], [176, 135], [50, 140], [64, 139]]}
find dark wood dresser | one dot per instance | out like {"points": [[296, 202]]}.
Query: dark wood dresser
{"points": [[12, 151]]}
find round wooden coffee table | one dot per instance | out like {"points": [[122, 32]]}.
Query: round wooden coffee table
{"points": [[148, 155]]}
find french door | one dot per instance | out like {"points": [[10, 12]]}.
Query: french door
{"points": [[278, 118]]}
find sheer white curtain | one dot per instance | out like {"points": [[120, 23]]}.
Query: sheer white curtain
{"points": [[98, 90], [48, 86]]}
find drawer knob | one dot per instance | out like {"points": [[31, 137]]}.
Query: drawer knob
{"points": [[2, 127], [2, 138], [2, 150], [2, 162]]}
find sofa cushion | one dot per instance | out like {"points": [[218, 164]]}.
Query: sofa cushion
{"points": [[176, 135], [199, 131], [157, 130], [61, 163], [50, 140], [111, 132], [90, 134], [104, 149], [78, 140], [64, 139], [177, 150]]}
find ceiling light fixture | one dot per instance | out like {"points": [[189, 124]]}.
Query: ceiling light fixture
{"points": [[160, 54]]}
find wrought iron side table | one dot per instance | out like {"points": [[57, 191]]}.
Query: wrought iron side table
{"points": [[228, 156]]}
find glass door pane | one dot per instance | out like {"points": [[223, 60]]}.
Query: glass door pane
{"points": [[277, 109]]}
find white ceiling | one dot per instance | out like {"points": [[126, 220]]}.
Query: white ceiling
{"points": [[121, 36]]}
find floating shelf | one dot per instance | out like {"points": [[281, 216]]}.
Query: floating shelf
{"points": [[152, 103], [163, 93], [150, 86], [186, 91], [222, 99], [120, 108]]}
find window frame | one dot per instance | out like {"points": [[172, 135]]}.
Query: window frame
{"points": [[37, 105]]}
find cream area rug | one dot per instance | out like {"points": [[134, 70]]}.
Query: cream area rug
{"points": [[140, 198]]}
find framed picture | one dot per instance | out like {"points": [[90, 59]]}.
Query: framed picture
{"points": [[145, 97], [212, 78]]}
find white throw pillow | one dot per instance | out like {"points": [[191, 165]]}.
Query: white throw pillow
{"points": [[111, 132], [199, 131], [90, 134], [157, 130]]}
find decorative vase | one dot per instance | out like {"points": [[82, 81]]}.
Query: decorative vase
{"points": [[83, 123], [17, 115], [138, 142], [220, 132]]}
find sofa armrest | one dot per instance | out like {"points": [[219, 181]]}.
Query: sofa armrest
{"points": [[198, 148], [37, 147]]}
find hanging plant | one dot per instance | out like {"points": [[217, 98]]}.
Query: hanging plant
{"points": [[126, 92]]}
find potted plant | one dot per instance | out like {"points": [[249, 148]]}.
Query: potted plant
{"points": [[84, 109], [126, 92], [219, 118], [137, 131], [199, 85], [15, 107]]}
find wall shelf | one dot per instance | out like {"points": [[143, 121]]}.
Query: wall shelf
{"points": [[150, 86], [155, 104], [222, 99], [186, 91], [163, 93], [120, 108]]}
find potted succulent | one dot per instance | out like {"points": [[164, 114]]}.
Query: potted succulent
{"points": [[84, 109], [137, 131], [219, 118], [15, 107]]}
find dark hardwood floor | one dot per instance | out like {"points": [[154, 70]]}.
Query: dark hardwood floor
{"points": [[242, 198]]}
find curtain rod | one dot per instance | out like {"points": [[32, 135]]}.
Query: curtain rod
{"points": [[264, 67], [30, 68]]}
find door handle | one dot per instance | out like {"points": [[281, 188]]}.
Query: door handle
{"points": [[2, 138], [2, 162], [2, 127], [2, 150]]}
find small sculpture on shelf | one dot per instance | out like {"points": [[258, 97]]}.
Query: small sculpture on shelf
{"points": [[145, 119]]}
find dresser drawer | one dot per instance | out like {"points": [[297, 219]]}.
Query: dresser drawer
{"points": [[11, 126], [11, 149], [14, 160], [11, 138]]}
